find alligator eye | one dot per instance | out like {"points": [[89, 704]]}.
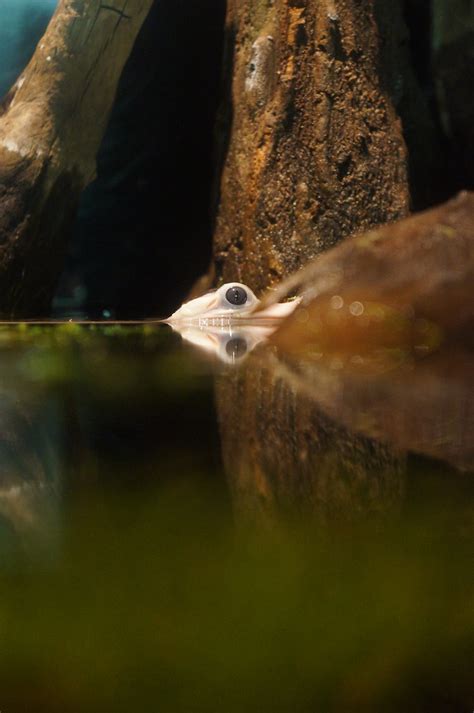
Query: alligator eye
{"points": [[236, 296], [236, 348]]}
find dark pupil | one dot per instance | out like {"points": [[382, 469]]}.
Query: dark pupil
{"points": [[236, 347], [236, 296]]}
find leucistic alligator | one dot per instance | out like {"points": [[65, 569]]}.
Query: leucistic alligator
{"points": [[232, 301], [229, 322]]}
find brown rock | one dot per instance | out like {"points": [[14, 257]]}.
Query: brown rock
{"points": [[404, 285]]}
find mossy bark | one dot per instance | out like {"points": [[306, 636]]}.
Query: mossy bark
{"points": [[311, 145], [51, 126]]}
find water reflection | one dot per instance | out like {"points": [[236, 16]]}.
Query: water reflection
{"points": [[228, 343], [329, 434], [354, 597], [422, 405], [64, 431], [284, 454], [32, 462]]}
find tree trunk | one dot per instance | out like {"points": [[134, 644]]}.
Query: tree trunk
{"points": [[52, 123], [312, 148]]}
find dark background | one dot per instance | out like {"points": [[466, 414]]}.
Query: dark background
{"points": [[144, 229], [143, 233]]}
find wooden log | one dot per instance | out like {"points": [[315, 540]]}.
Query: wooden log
{"points": [[311, 146], [52, 123]]}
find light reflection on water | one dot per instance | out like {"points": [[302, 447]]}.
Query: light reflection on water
{"points": [[261, 531]]}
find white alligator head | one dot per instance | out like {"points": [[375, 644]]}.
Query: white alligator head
{"points": [[232, 301], [228, 322]]}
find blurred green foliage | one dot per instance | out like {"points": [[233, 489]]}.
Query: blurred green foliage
{"points": [[162, 602]]}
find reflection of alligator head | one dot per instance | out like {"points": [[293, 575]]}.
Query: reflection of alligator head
{"points": [[231, 345], [229, 321]]}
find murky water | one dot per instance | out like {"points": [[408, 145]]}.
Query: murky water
{"points": [[232, 529]]}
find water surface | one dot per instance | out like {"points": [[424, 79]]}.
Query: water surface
{"points": [[258, 532]]}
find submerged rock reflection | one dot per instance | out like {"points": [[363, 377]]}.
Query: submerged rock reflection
{"points": [[425, 406], [283, 453], [329, 434]]}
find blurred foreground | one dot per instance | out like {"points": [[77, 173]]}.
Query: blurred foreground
{"points": [[327, 568]]}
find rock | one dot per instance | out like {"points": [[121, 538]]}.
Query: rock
{"points": [[407, 285]]}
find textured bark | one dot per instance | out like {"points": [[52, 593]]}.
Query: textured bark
{"points": [[312, 146], [52, 124]]}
